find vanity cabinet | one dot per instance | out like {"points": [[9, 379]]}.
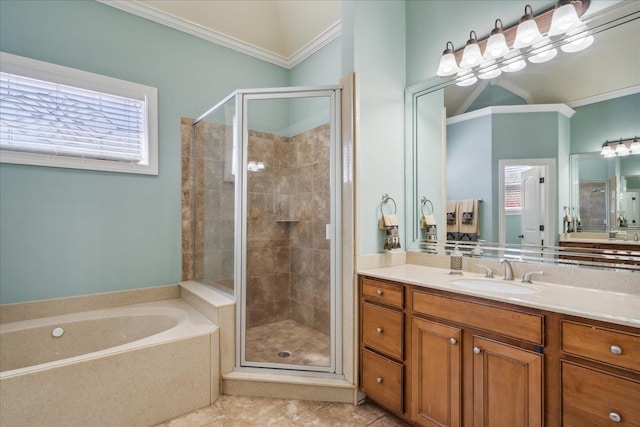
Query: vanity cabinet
{"points": [[382, 362], [589, 252], [503, 384], [600, 373]]}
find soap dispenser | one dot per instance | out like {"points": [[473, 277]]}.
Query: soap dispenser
{"points": [[456, 261]]}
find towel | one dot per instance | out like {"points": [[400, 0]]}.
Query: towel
{"points": [[453, 229], [469, 223], [428, 227], [389, 223]]}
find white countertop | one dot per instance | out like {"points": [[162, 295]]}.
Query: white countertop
{"points": [[614, 307]]}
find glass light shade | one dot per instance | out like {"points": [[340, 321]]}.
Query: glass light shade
{"points": [[579, 39], [527, 34], [513, 65], [448, 65], [635, 147], [471, 56], [466, 79], [496, 47], [564, 19], [542, 52], [607, 151], [489, 70], [622, 150]]}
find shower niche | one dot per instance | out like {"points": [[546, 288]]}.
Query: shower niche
{"points": [[266, 209]]}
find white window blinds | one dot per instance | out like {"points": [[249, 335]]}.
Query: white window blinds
{"points": [[62, 117], [513, 187], [49, 118]]}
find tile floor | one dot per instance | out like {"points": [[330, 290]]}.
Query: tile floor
{"points": [[241, 411], [307, 346]]}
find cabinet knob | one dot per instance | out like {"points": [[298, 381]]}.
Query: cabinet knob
{"points": [[476, 350], [615, 417], [379, 292], [453, 341], [379, 330], [379, 380], [616, 350]]}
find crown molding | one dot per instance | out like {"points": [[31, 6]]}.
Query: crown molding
{"points": [[511, 109], [172, 21], [604, 96]]}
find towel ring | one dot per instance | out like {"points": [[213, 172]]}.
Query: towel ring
{"points": [[385, 199], [424, 201]]}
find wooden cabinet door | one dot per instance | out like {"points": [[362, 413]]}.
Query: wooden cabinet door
{"points": [[436, 374], [507, 385]]}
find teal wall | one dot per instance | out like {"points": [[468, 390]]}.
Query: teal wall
{"points": [[379, 62], [594, 124], [469, 148], [69, 232]]}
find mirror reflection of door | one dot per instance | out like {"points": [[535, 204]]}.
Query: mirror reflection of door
{"points": [[531, 214]]}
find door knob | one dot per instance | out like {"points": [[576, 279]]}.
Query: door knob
{"points": [[379, 330], [453, 341], [476, 350], [520, 236]]}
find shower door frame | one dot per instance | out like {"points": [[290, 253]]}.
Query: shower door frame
{"points": [[333, 229]]}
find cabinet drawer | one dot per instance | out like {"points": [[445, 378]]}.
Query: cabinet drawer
{"points": [[602, 344], [386, 293], [382, 380], [593, 398], [511, 323], [382, 329]]}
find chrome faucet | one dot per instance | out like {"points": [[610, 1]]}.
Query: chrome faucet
{"points": [[508, 271], [526, 278], [487, 271]]}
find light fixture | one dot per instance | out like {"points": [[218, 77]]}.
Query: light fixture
{"points": [[577, 40], [471, 56], [448, 64], [489, 70], [497, 44], [513, 63], [564, 18], [542, 52], [531, 41], [621, 147], [528, 32], [466, 78]]}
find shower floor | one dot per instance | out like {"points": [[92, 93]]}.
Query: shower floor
{"points": [[307, 346]]}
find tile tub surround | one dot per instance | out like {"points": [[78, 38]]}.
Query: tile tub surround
{"points": [[287, 253], [166, 374]]}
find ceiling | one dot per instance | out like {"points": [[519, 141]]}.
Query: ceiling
{"points": [[283, 32]]}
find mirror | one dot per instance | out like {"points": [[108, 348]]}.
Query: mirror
{"points": [[516, 108], [605, 192]]}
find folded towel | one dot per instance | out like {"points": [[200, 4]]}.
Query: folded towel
{"points": [[389, 223], [427, 221], [453, 226], [469, 224]]}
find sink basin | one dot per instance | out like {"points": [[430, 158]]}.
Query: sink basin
{"points": [[499, 286]]}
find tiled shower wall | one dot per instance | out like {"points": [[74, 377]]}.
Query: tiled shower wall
{"points": [[288, 270], [593, 205]]}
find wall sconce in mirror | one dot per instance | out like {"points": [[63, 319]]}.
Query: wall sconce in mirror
{"points": [[561, 24], [621, 147]]}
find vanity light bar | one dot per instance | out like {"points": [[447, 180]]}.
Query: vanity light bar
{"points": [[488, 57], [621, 147]]}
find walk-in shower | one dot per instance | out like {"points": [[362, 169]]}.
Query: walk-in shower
{"points": [[267, 220]]}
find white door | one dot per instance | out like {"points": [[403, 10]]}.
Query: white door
{"points": [[531, 218]]}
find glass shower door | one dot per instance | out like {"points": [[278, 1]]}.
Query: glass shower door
{"points": [[288, 299]]}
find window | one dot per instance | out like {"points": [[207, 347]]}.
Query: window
{"points": [[513, 188], [57, 116]]}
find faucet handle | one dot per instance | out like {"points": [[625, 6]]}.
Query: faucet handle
{"points": [[527, 276], [487, 271]]}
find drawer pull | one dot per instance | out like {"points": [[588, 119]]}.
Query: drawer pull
{"points": [[379, 330], [615, 417], [477, 350], [379, 292], [453, 341], [616, 350], [379, 381]]}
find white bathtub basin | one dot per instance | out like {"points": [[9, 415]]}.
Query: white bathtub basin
{"points": [[499, 286]]}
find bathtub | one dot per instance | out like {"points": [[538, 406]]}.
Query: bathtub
{"points": [[133, 365]]}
